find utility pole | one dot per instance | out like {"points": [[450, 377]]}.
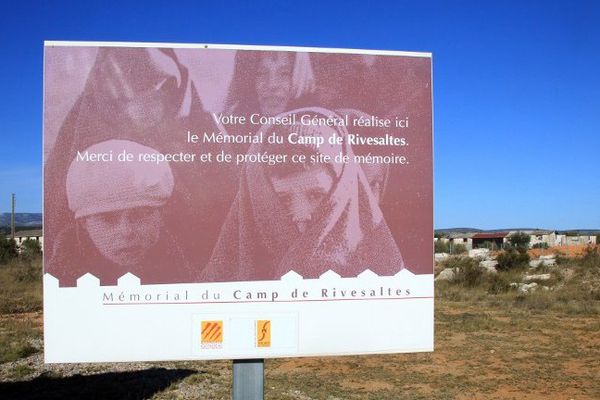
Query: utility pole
{"points": [[12, 219]]}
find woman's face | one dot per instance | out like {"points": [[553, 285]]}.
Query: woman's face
{"points": [[301, 193], [124, 237], [274, 83]]}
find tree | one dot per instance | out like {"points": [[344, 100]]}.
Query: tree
{"points": [[519, 240], [8, 250]]}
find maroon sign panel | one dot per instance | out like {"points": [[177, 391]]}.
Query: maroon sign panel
{"points": [[194, 165]]}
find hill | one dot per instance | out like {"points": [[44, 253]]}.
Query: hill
{"points": [[21, 219]]}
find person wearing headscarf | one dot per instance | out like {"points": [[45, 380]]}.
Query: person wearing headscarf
{"points": [[267, 83], [119, 222], [144, 95], [376, 173], [308, 216], [400, 87]]}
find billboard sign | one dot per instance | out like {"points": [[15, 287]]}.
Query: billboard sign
{"points": [[219, 201]]}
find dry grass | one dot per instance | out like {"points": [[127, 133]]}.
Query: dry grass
{"points": [[496, 353], [489, 344], [21, 286], [20, 336], [20, 309]]}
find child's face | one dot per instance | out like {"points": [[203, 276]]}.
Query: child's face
{"points": [[302, 192], [124, 237], [274, 83]]}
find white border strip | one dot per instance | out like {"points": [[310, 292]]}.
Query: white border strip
{"points": [[51, 43]]}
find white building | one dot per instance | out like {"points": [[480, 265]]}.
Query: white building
{"points": [[34, 234]]}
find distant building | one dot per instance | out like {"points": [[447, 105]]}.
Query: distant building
{"points": [[456, 238], [565, 239], [539, 237], [496, 240], [34, 234]]}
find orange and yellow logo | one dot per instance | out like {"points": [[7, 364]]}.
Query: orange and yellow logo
{"points": [[263, 333], [211, 332]]}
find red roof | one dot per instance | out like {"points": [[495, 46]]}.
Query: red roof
{"points": [[496, 235]]}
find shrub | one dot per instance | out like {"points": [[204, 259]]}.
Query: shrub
{"points": [[519, 240], [459, 249], [591, 257], [30, 249], [8, 250], [512, 258], [455, 262], [498, 284], [441, 247], [467, 270], [471, 275], [542, 245], [446, 247]]}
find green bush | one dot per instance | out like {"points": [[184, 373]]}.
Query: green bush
{"points": [[540, 246], [446, 247], [8, 250], [519, 240], [467, 271], [512, 258], [498, 284], [441, 247], [30, 249], [459, 249], [454, 262]]}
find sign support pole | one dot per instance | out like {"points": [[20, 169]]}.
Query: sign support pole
{"points": [[248, 379]]}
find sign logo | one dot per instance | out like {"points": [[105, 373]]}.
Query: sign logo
{"points": [[263, 333], [211, 336]]}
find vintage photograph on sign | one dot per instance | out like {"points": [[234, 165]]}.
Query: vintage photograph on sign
{"points": [[220, 201]]}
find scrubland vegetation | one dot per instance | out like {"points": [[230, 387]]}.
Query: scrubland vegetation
{"points": [[492, 341], [573, 287]]}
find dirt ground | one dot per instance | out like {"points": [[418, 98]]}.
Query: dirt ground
{"points": [[481, 352]]}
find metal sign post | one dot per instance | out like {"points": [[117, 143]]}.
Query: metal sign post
{"points": [[248, 379]]}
